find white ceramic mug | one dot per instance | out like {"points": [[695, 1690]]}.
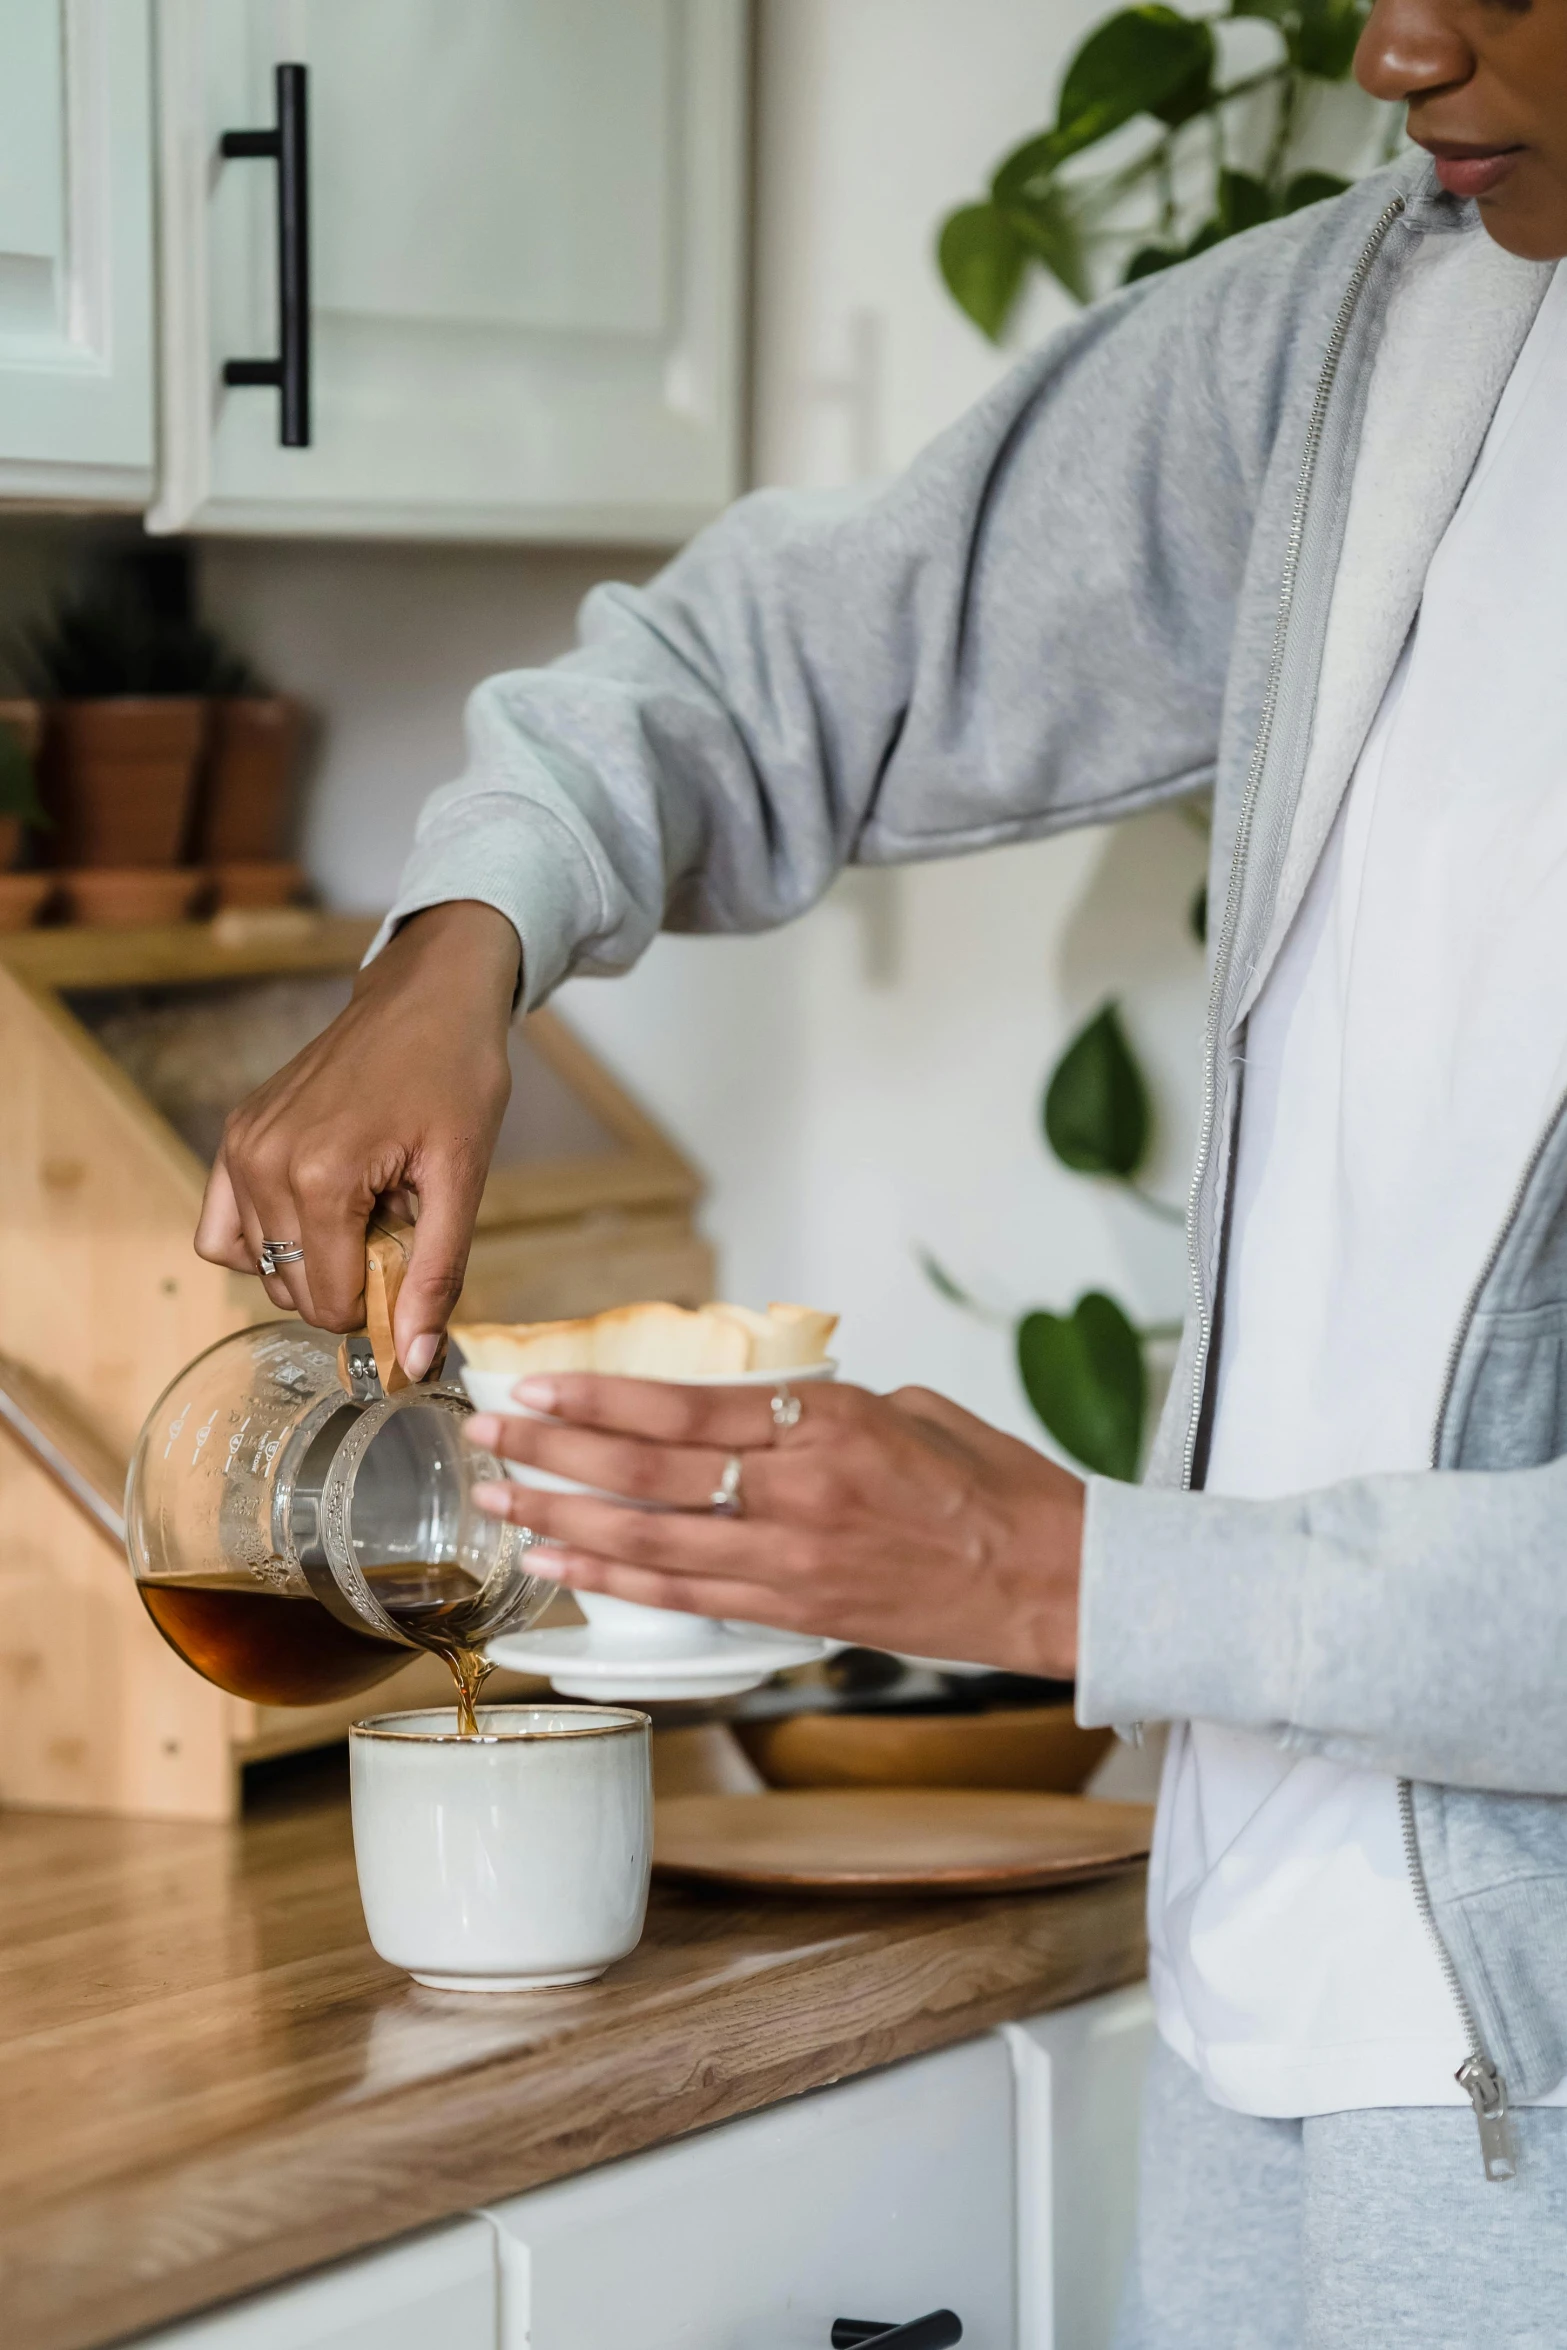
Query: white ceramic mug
{"points": [[622, 1622], [508, 1861]]}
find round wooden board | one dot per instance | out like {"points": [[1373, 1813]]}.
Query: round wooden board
{"points": [[864, 1840]]}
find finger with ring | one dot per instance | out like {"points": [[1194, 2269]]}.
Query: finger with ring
{"points": [[275, 1253], [786, 1407], [725, 1498]]}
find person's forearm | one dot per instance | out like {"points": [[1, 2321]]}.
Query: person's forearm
{"points": [[1416, 1623]]}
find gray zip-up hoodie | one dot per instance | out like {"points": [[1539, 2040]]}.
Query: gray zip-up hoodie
{"points": [[1181, 546]]}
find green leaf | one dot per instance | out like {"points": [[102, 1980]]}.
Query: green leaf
{"points": [[18, 786], [1083, 1373], [1048, 225], [1149, 60], [1148, 260], [1243, 202], [982, 258], [1320, 36], [1311, 187], [1329, 35], [1096, 1114], [1027, 170]]}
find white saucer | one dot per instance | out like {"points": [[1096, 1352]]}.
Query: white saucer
{"points": [[581, 1663]]}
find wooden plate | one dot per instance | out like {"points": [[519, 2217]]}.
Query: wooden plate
{"points": [[864, 1840]]}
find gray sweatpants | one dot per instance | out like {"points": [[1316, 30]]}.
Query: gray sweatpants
{"points": [[1375, 2230]]}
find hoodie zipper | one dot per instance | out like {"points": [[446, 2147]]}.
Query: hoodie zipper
{"points": [[1477, 2076]]}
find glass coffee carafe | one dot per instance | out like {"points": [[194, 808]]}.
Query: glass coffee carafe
{"points": [[296, 1530]]}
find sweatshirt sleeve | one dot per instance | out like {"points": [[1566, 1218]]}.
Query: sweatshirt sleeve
{"points": [[1029, 629], [1413, 1623]]}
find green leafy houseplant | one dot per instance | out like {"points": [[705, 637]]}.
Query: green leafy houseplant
{"points": [[1200, 152], [1085, 1372], [110, 643]]}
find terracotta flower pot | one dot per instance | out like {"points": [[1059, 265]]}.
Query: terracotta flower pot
{"points": [[23, 897], [131, 897], [25, 720], [256, 882], [247, 782], [119, 778]]}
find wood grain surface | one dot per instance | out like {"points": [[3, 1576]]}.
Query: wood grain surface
{"points": [[208, 2081]]}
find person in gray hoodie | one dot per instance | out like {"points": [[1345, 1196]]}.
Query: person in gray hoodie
{"points": [[1290, 524]]}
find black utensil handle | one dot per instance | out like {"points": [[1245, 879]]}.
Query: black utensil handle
{"points": [[938, 2331], [289, 147]]}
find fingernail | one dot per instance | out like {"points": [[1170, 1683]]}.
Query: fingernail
{"points": [[484, 1429], [421, 1353], [495, 1499], [538, 1394]]}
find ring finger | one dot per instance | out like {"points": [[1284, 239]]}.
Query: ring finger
{"points": [[670, 1542], [672, 1476], [272, 1217]]}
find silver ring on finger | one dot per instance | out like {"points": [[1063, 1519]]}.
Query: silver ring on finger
{"points": [[725, 1500], [275, 1253], [786, 1407]]}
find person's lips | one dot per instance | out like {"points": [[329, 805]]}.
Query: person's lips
{"points": [[1470, 171]]}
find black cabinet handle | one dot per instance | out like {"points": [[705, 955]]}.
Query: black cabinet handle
{"points": [[938, 2331], [287, 146]]}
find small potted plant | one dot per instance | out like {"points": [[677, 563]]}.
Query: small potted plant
{"points": [[22, 895], [245, 793], [127, 690]]}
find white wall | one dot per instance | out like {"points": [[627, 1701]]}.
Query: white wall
{"points": [[869, 1079]]}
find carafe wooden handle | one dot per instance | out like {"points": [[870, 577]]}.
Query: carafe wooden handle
{"points": [[387, 1248]]}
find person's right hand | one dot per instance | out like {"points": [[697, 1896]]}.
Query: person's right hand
{"points": [[403, 1094]]}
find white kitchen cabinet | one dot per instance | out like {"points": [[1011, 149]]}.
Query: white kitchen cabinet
{"points": [[526, 228], [1079, 2107], [881, 2199], [76, 411], [996, 2179], [431, 2292]]}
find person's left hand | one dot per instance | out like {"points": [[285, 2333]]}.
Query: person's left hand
{"points": [[896, 1522]]}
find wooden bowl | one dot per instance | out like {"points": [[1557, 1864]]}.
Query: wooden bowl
{"points": [[127, 897], [23, 897], [1039, 1747]]}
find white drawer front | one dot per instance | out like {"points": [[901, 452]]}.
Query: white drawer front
{"points": [[1079, 2110], [881, 2198], [434, 2292]]}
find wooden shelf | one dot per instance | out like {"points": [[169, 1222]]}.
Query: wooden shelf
{"points": [[103, 1300]]}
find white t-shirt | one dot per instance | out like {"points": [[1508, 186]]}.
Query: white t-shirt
{"points": [[1407, 1052]]}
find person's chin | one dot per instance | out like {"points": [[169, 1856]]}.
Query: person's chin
{"points": [[1526, 220]]}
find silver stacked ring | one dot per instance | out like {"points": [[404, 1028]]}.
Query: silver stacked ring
{"points": [[278, 1252], [786, 1407], [724, 1500]]}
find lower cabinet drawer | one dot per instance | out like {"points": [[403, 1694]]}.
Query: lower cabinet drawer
{"points": [[881, 2198], [432, 2292]]}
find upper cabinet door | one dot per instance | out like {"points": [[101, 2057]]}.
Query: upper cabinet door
{"points": [[525, 229], [75, 252]]}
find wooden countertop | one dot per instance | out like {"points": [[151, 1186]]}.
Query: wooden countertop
{"points": [[208, 2081]]}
